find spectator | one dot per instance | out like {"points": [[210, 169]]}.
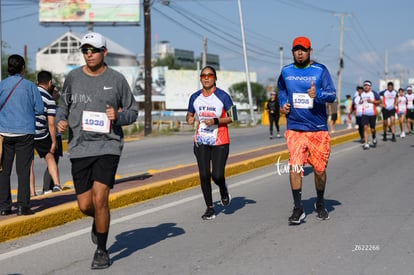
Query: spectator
{"points": [[20, 102], [45, 137], [47, 179], [274, 109]]}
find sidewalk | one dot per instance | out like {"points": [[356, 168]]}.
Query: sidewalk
{"points": [[56, 209]]}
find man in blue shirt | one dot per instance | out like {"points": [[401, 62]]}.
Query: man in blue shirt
{"points": [[304, 89], [20, 102]]}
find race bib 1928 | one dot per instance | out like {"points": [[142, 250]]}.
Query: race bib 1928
{"points": [[95, 122]]}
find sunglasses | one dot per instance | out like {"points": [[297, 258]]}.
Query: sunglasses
{"points": [[91, 50], [207, 76]]}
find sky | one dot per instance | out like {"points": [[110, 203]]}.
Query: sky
{"points": [[378, 39]]}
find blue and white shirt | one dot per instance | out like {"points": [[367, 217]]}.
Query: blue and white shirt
{"points": [[213, 106], [306, 114], [49, 109]]}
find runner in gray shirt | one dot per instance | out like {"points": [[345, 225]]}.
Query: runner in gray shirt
{"points": [[96, 101]]}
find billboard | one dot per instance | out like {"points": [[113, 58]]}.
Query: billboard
{"points": [[81, 11], [383, 84], [180, 84]]}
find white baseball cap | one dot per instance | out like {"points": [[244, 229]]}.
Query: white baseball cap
{"points": [[94, 39]]}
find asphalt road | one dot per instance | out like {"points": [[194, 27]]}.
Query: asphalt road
{"points": [[369, 196], [160, 152]]}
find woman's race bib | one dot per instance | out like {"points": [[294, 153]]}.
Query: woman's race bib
{"points": [[207, 134]]}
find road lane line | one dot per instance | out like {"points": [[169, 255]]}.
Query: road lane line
{"points": [[68, 236], [77, 233]]}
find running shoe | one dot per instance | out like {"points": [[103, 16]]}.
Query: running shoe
{"points": [[209, 214], [270, 137], [384, 137], [298, 215], [225, 196], [57, 188], [374, 142], [402, 135], [366, 146], [94, 237], [393, 138], [321, 212], [100, 259]]}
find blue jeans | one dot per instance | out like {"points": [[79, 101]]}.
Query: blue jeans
{"points": [[22, 147]]}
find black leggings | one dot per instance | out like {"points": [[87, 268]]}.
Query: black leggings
{"points": [[218, 157], [273, 119]]}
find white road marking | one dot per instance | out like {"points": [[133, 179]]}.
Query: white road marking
{"points": [[68, 236]]}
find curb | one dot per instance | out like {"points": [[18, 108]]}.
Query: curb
{"points": [[24, 225]]}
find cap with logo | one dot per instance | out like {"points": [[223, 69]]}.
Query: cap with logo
{"points": [[301, 41], [94, 39]]}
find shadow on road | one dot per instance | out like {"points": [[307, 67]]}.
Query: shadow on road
{"points": [[131, 241], [236, 204], [309, 205]]}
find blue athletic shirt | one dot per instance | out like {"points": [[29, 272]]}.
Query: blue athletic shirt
{"points": [[306, 114]]}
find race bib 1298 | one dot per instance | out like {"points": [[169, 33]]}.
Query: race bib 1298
{"points": [[302, 101], [95, 122]]}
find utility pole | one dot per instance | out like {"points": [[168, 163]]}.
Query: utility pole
{"points": [[341, 61], [204, 61], [249, 88], [147, 61], [281, 57], [386, 65]]}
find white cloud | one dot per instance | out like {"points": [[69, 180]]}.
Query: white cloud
{"points": [[408, 45], [368, 57]]}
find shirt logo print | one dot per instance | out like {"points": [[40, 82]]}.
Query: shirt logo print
{"points": [[107, 88]]}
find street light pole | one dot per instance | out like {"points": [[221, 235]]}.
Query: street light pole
{"points": [[147, 61], [281, 57], [249, 88]]}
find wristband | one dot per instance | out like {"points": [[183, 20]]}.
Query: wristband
{"points": [[216, 121]]}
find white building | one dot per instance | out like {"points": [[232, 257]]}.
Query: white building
{"points": [[63, 55]]}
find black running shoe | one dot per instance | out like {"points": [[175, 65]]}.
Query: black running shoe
{"points": [[100, 260], [93, 233], [298, 216], [321, 212], [209, 214], [225, 196]]}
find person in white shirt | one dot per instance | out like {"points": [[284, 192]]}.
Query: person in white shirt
{"points": [[410, 109]]}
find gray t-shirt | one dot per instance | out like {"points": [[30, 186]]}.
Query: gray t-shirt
{"points": [[83, 95]]}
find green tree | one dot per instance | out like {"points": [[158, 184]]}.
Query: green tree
{"points": [[28, 73], [170, 63], [238, 92]]}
